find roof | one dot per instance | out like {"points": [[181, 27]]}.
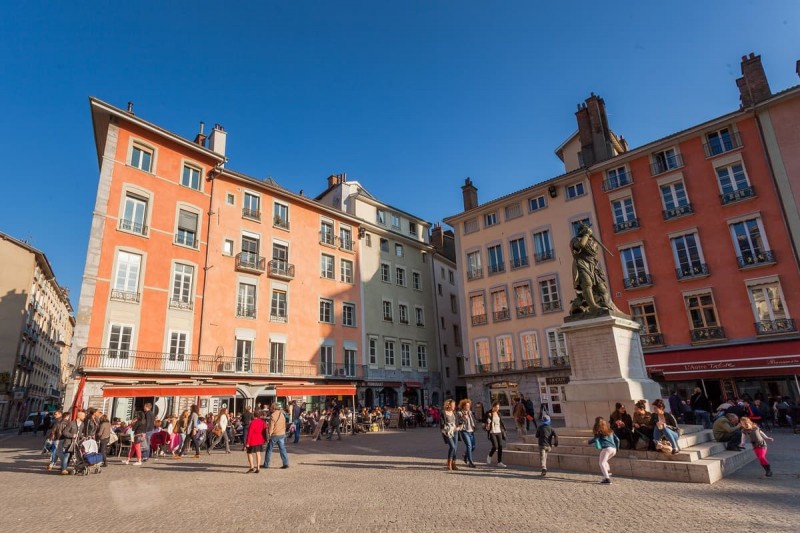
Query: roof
{"points": [[558, 151], [43, 262]]}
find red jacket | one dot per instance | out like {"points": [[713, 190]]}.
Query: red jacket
{"points": [[255, 433]]}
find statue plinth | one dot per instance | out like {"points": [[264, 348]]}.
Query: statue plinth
{"points": [[607, 367]]}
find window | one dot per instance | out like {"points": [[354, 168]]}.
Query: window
{"points": [[543, 247], [230, 199], [443, 324], [395, 221], [523, 300], [645, 314], [326, 233], [420, 315], [119, 342], [177, 346], [400, 276], [575, 190], [416, 281], [500, 305], [557, 347], [477, 306], [470, 226], [666, 160], [250, 253], [474, 270], [327, 266], [624, 214], [384, 245], [519, 255], [482, 355], [496, 263], [505, 352], [244, 354], [439, 285], [252, 206], [405, 354], [277, 309], [398, 250], [126, 282], [578, 224], [513, 211], [187, 229], [456, 335], [349, 314], [453, 303], [386, 273], [373, 351], [402, 312], [733, 183], [769, 308], [345, 238], [721, 141], [412, 228], [182, 278], [190, 177], [688, 256], [246, 301], [675, 200], [441, 272], [326, 310], [529, 344], [535, 204], [368, 239], [490, 219], [703, 317], [346, 271], [280, 215], [452, 277], [388, 353], [422, 356], [280, 261], [634, 269], [277, 357], [616, 178], [548, 289], [326, 361], [227, 247], [751, 249], [349, 363], [381, 217], [142, 158], [387, 311], [134, 215]]}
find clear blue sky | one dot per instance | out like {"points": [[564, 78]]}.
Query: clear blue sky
{"points": [[408, 97]]}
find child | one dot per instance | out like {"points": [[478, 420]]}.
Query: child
{"points": [[547, 439], [751, 431], [605, 440]]}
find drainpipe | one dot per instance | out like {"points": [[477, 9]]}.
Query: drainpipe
{"points": [[206, 268]]}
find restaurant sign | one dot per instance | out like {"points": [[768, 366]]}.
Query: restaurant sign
{"points": [[732, 364], [559, 380]]}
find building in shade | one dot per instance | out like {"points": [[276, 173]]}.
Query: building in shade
{"points": [[36, 326]]}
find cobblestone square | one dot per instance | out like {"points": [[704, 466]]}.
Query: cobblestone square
{"points": [[391, 481]]}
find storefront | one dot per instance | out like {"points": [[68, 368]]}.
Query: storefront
{"points": [[552, 394], [506, 394], [380, 393]]}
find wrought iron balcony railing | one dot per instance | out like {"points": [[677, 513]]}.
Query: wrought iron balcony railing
{"points": [[626, 225], [497, 268], [519, 262], [737, 195], [751, 259], [503, 314], [133, 226], [637, 280], [326, 237], [483, 369], [506, 366], [677, 211], [125, 296], [722, 143], [187, 239], [708, 334], [552, 306], [544, 255], [666, 164], [651, 339], [250, 262], [771, 327], [617, 182], [479, 320], [281, 269], [246, 311], [181, 304], [280, 222], [559, 361], [531, 363], [474, 273], [525, 310], [695, 270], [252, 214]]}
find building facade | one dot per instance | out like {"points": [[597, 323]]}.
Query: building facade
{"points": [[36, 327]]}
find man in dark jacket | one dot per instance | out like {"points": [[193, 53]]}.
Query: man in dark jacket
{"points": [[70, 435], [60, 422], [701, 407], [149, 421], [530, 414]]}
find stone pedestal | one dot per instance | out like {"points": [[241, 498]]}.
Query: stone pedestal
{"points": [[607, 367]]}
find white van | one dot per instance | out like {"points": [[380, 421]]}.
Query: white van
{"points": [[28, 424]]}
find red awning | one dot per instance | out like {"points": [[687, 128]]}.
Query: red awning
{"points": [[168, 390], [315, 390]]}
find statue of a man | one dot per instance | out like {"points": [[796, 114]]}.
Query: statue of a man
{"points": [[588, 279]]}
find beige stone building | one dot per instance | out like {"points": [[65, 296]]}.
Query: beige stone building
{"points": [[36, 326]]}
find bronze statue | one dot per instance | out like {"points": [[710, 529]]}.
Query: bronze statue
{"points": [[592, 296]]}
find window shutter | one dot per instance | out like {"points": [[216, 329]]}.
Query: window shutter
{"points": [[187, 221]]}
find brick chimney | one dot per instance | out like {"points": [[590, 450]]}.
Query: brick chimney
{"points": [[336, 179], [593, 131], [753, 85], [470, 195], [797, 67], [437, 236], [217, 140], [201, 137]]}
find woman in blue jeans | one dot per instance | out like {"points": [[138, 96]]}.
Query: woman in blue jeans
{"points": [[465, 419], [664, 425], [450, 433]]}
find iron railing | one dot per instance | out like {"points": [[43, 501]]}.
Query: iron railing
{"points": [[474, 273], [737, 195], [771, 327], [250, 262], [519, 262], [637, 280], [187, 239], [479, 320], [754, 259], [327, 237], [253, 214], [246, 311], [506, 366], [621, 180], [669, 163], [132, 226], [497, 268], [503, 314], [549, 307], [722, 144], [525, 310], [626, 225], [708, 334], [558, 362], [531, 363], [280, 222], [279, 268], [695, 270], [125, 296], [544, 255], [180, 304], [678, 211], [651, 339]]}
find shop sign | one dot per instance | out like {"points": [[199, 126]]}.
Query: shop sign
{"points": [[735, 364], [503, 385], [373, 384], [562, 380]]}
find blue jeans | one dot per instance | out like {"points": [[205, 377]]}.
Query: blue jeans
{"points": [[56, 452], [469, 441], [671, 436], [146, 445], [452, 446], [66, 454], [703, 416], [297, 431], [280, 440]]}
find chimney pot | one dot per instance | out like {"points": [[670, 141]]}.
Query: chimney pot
{"points": [[469, 195], [130, 107]]}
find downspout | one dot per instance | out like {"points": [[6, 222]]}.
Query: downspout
{"points": [[206, 268]]}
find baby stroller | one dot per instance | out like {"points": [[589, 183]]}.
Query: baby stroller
{"points": [[87, 460]]}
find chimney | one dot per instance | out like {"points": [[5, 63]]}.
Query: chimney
{"points": [[753, 85], [201, 137], [217, 140], [470, 195], [130, 108], [797, 67], [336, 179], [593, 131], [437, 236]]}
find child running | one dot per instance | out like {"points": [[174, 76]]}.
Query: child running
{"points": [[607, 442], [751, 431], [547, 440]]}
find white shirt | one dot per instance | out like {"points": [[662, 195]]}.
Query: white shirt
{"points": [[496, 423]]}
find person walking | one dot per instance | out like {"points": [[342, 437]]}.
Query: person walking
{"points": [[753, 433], [254, 441], [607, 442], [547, 441], [61, 421], [103, 437], [69, 437], [336, 421], [191, 432], [277, 436], [297, 419], [247, 418], [519, 418], [220, 431], [149, 423], [450, 432], [496, 431], [530, 413], [466, 421], [139, 430]]}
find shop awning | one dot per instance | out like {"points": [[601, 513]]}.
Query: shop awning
{"points": [[167, 390], [315, 390], [413, 384]]}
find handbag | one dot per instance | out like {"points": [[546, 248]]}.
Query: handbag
{"points": [[597, 444], [217, 431], [138, 438], [112, 438]]}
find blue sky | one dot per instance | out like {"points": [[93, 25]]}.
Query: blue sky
{"points": [[407, 97]]}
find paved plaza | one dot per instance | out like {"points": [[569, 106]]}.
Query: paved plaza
{"points": [[391, 481]]}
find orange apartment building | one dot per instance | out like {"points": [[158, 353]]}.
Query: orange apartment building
{"points": [[705, 230], [205, 285]]}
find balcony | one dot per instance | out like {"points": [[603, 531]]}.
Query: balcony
{"points": [[246, 311], [625, 225], [774, 327], [497, 268], [650, 340], [280, 222], [474, 273], [714, 333], [529, 364], [544, 255], [279, 317], [666, 164], [637, 280], [695, 270], [678, 211], [483, 369], [737, 195], [479, 320], [721, 144], [622, 180], [525, 310], [506, 366], [551, 307], [503, 314], [252, 214], [125, 296], [187, 239], [133, 227], [327, 238], [519, 262], [751, 259], [250, 262], [281, 269], [336, 370], [559, 362], [180, 304]]}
